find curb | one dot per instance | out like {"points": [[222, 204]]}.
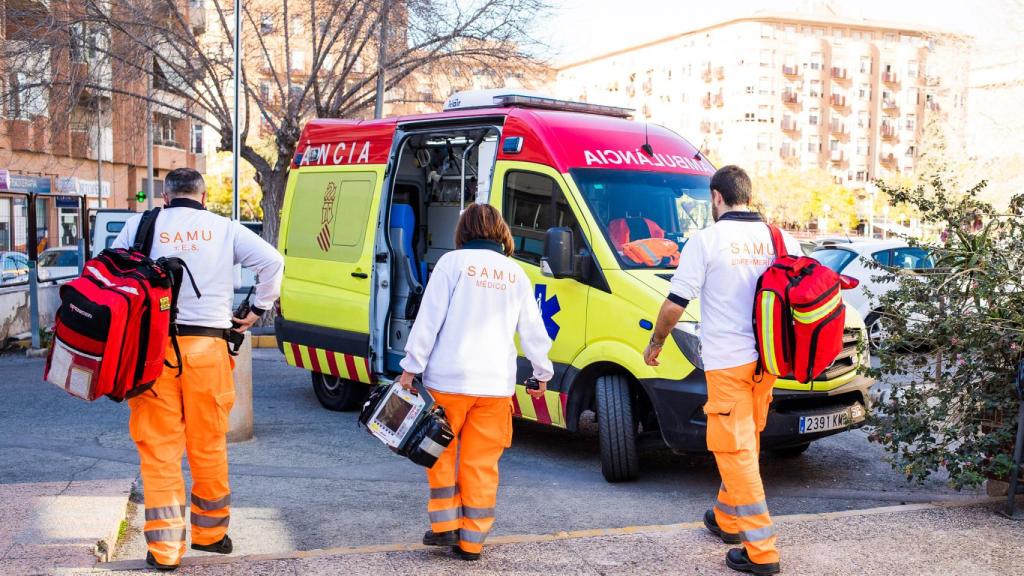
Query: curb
{"points": [[107, 545], [264, 341], [534, 538]]}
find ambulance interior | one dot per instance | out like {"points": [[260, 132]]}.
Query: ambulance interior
{"points": [[439, 173]]}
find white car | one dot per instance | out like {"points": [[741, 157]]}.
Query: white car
{"points": [[854, 259], [13, 268], [58, 263]]}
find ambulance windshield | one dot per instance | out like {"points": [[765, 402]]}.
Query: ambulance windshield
{"points": [[646, 216]]}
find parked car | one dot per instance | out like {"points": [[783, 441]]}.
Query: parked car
{"points": [[57, 263], [855, 259], [13, 268]]}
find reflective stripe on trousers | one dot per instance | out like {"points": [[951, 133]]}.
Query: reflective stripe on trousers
{"points": [[464, 481], [737, 411]]}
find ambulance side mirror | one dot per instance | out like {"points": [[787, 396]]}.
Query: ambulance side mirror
{"points": [[559, 256]]}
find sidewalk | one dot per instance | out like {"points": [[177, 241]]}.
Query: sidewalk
{"points": [[915, 539]]}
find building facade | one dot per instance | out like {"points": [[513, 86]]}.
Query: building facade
{"points": [[71, 126], [851, 97]]}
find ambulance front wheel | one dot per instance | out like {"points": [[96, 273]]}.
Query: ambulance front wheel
{"points": [[338, 394], [616, 426]]}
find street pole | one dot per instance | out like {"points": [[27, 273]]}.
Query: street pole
{"points": [[149, 135], [236, 138], [99, 153], [33, 274], [378, 107]]}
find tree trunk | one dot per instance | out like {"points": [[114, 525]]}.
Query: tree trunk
{"points": [[272, 184]]}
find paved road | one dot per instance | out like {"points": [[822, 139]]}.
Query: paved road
{"points": [[311, 479]]}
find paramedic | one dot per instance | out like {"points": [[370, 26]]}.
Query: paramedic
{"points": [[188, 409], [462, 343], [721, 265]]}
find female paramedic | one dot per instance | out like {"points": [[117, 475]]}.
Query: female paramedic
{"points": [[462, 343]]}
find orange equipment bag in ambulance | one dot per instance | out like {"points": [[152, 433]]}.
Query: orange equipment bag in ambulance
{"points": [[652, 252], [798, 314], [114, 321]]}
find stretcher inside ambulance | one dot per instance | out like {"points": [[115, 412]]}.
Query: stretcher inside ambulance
{"points": [[599, 207]]}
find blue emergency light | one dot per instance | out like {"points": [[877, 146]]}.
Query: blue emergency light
{"points": [[512, 145]]}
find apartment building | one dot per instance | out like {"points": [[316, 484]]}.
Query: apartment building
{"points": [[71, 128], [806, 90]]}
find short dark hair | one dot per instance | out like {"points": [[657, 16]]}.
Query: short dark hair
{"points": [[733, 184], [183, 181], [483, 222]]}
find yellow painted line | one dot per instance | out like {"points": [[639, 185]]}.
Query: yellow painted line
{"points": [[533, 538]]}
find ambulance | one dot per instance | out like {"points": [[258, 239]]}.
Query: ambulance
{"points": [[371, 205]]}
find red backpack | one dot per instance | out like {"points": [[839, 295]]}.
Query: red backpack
{"points": [[799, 315], [115, 320]]}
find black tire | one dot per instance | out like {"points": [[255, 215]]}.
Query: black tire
{"points": [[338, 394], [875, 329], [791, 451], [620, 460]]}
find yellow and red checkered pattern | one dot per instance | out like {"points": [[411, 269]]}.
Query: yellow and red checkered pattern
{"points": [[355, 368]]}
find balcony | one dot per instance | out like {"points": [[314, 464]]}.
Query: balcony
{"points": [[932, 106], [791, 98], [169, 157], [890, 78], [887, 131], [787, 152], [837, 128], [197, 18], [719, 100], [887, 158], [705, 101], [789, 125], [837, 156], [838, 100], [840, 73], [889, 106], [932, 81], [791, 71], [720, 73], [706, 74], [705, 127]]}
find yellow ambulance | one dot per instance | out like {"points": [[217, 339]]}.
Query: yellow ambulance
{"points": [[372, 205]]}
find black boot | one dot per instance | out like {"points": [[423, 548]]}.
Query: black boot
{"points": [[738, 560], [449, 538], [222, 546], [712, 525], [463, 555], [158, 566]]}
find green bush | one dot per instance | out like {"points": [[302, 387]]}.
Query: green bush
{"points": [[955, 338]]}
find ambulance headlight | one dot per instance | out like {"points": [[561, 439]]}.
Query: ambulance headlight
{"points": [[687, 337]]}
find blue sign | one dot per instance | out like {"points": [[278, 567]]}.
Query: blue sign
{"points": [[20, 183], [548, 308], [67, 201]]}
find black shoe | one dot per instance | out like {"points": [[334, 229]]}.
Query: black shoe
{"points": [[161, 567], [463, 555], [712, 525], [222, 546], [449, 538], [738, 560]]}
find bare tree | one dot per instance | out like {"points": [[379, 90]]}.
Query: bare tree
{"points": [[301, 59]]}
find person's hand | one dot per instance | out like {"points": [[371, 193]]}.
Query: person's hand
{"points": [[243, 324], [406, 381], [539, 392], [651, 354]]}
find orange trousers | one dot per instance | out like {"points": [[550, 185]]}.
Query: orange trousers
{"points": [[737, 411], [464, 481], [187, 412]]}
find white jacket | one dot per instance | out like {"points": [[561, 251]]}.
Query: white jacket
{"points": [[721, 265], [210, 245], [463, 339]]}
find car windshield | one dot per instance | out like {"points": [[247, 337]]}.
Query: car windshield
{"points": [[834, 258], [646, 216]]}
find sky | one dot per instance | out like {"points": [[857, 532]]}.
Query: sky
{"points": [[582, 28]]}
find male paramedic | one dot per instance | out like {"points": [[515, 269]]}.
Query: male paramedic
{"points": [[188, 409], [721, 265]]}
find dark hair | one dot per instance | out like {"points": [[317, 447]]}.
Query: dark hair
{"points": [[483, 222], [733, 184], [183, 181]]}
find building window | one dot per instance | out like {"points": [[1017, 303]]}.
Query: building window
{"points": [[812, 117], [265, 91], [266, 23], [910, 122], [790, 31], [911, 151], [864, 91], [815, 63], [763, 142], [833, 145], [913, 97], [298, 60], [197, 138], [297, 25], [749, 89], [863, 119], [838, 33], [29, 98], [889, 37], [865, 64], [862, 147], [165, 131], [764, 86], [767, 31], [763, 113], [815, 89], [766, 58], [748, 116], [819, 31], [813, 145], [912, 69]]}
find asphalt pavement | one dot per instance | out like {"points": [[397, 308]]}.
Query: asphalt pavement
{"points": [[311, 479]]}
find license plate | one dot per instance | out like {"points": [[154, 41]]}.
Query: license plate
{"points": [[824, 422]]}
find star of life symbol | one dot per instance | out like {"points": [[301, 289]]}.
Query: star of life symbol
{"points": [[327, 218], [548, 308]]}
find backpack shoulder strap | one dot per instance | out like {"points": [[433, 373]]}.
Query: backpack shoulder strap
{"points": [[778, 242], [144, 234]]}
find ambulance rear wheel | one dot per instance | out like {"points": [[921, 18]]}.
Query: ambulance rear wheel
{"points": [[616, 426], [338, 394]]}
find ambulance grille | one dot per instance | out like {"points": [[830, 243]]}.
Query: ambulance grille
{"points": [[847, 360]]}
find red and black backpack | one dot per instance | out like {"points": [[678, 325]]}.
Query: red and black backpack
{"points": [[799, 315], [115, 321]]}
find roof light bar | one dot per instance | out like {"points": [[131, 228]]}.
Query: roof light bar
{"points": [[561, 105]]}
